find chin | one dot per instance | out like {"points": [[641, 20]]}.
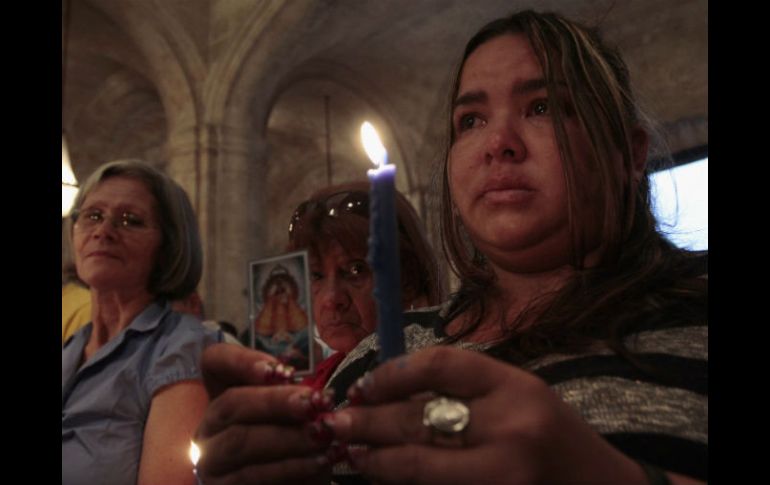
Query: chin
{"points": [[95, 279], [340, 344], [514, 236]]}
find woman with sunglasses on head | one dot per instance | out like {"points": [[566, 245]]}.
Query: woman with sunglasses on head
{"points": [[131, 381], [333, 225], [576, 348]]}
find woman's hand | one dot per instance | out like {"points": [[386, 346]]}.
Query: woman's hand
{"points": [[258, 429], [519, 432]]}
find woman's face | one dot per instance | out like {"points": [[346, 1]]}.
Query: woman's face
{"points": [[505, 171], [343, 306], [116, 237]]}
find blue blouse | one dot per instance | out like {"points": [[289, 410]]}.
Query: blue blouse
{"points": [[105, 403]]}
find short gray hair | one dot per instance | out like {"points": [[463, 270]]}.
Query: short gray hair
{"points": [[179, 265]]}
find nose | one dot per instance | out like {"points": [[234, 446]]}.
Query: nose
{"points": [[333, 295], [107, 228], [504, 144]]}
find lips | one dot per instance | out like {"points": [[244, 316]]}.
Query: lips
{"points": [[334, 323], [507, 189], [506, 183], [103, 254]]}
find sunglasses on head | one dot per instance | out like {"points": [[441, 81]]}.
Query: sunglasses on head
{"points": [[334, 205]]}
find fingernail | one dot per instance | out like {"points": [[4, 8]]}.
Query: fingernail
{"points": [[283, 373], [358, 392], [322, 400], [322, 460], [288, 372], [263, 370], [320, 432], [337, 452], [274, 372], [299, 402], [339, 422], [357, 456]]}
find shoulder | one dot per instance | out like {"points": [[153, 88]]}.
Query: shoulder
{"points": [[175, 350], [183, 329], [425, 316], [672, 355], [182, 336]]}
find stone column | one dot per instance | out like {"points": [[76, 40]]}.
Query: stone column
{"points": [[183, 158], [182, 154], [235, 215], [222, 168]]}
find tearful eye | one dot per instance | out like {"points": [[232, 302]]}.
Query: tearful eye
{"points": [[468, 122], [540, 107]]}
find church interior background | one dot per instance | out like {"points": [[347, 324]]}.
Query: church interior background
{"points": [[254, 104]]}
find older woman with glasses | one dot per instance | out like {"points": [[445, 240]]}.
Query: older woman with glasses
{"points": [[333, 224], [131, 382]]}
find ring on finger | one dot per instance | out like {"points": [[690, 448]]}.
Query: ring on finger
{"points": [[447, 420]]}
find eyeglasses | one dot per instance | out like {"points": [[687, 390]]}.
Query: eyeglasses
{"points": [[89, 219], [350, 202]]}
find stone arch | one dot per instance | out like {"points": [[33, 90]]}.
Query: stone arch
{"points": [[358, 85], [176, 69], [111, 108], [123, 119], [175, 64], [299, 156], [229, 92]]}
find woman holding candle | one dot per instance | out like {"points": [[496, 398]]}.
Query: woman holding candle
{"points": [[333, 225], [131, 381], [593, 325]]}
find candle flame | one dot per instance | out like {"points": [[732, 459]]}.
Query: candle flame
{"points": [[195, 453], [372, 144]]}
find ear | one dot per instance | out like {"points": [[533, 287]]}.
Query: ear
{"points": [[640, 143]]}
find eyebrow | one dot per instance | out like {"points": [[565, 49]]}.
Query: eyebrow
{"points": [[472, 97], [123, 208], [528, 86], [520, 87]]}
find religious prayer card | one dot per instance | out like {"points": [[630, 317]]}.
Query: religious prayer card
{"points": [[281, 314]]}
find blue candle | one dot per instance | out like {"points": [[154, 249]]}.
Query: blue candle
{"points": [[383, 247]]}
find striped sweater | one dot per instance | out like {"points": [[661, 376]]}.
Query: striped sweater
{"points": [[661, 419]]}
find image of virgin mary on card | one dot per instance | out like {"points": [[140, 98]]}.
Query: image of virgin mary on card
{"points": [[281, 321]]}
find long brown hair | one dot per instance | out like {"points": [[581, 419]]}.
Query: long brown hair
{"points": [[639, 273]]}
